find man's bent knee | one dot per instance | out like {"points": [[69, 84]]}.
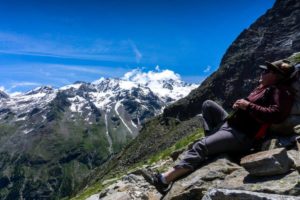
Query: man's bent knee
{"points": [[207, 103]]}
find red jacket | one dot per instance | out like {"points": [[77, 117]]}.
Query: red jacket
{"points": [[268, 105]]}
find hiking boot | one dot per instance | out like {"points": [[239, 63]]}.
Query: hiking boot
{"points": [[155, 180], [297, 129]]}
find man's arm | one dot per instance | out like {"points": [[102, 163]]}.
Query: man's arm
{"points": [[276, 112]]}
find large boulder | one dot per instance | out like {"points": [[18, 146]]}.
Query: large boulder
{"points": [[288, 184], [224, 194], [267, 163]]}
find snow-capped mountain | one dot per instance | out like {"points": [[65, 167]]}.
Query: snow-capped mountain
{"points": [[125, 102]]}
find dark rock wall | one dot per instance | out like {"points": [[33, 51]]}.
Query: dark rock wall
{"points": [[273, 36]]}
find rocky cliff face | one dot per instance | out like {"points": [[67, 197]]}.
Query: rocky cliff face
{"points": [[273, 36]]}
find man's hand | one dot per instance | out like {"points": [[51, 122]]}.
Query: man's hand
{"points": [[241, 104]]}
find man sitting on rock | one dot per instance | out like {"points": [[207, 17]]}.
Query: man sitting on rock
{"points": [[269, 103]]}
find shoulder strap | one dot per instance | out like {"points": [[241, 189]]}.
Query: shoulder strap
{"points": [[262, 131]]}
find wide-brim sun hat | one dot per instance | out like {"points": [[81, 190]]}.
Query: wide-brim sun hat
{"points": [[282, 67]]}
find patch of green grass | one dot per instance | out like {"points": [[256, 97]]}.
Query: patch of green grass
{"points": [[177, 146], [295, 58], [93, 189], [6, 129]]}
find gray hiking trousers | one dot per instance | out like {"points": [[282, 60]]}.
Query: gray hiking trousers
{"points": [[220, 138]]}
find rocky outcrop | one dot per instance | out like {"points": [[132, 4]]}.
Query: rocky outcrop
{"points": [[273, 36], [223, 194], [267, 163], [130, 187], [217, 179], [196, 184]]}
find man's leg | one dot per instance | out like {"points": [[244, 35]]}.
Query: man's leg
{"points": [[213, 115], [174, 174], [223, 141]]}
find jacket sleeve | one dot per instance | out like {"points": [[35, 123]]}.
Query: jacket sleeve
{"points": [[280, 106]]}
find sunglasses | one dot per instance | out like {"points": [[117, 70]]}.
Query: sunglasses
{"points": [[265, 71]]}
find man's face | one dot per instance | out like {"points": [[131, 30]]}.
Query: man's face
{"points": [[268, 77]]}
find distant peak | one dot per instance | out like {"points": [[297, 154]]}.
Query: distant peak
{"points": [[79, 82], [3, 95], [164, 83], [41, 89]]}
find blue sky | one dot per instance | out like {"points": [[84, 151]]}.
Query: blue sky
{"points": [[57, 42]]}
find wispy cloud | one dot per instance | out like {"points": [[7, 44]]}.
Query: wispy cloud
{"points": [[96, 50], [96, 70], [207, 69], [138, 54], [22, 84]]}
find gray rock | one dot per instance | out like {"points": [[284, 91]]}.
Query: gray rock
{"points": [[295, 157], [297, 129], [280, 141], [117, 196], [288, 184], [270, 144], [130, 187], [196, 184], [267, 163], [221, 173], [223, 194]]}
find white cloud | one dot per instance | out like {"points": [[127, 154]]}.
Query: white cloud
{"points": [[157, 68], [48, 71], [143, 77], [81, 69], [155, 80], [207, 69], [2, 88]]}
